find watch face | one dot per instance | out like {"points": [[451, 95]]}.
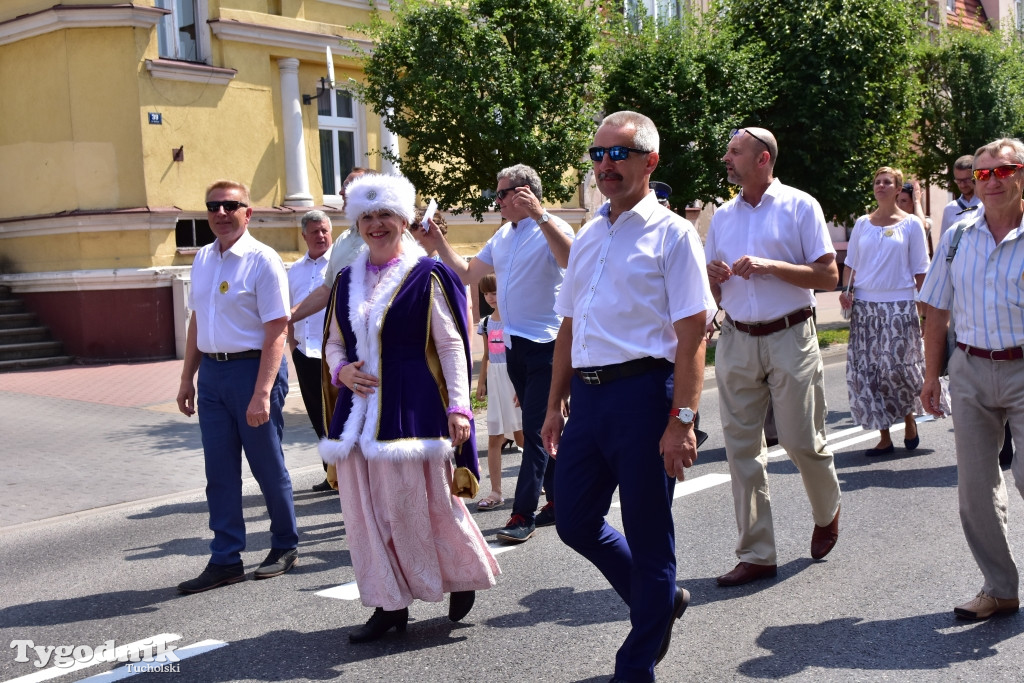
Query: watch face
{"points": [[685, 415]]}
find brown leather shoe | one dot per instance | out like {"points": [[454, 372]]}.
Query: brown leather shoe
{"points": [[985, 606], [824, 537], [745, 572]]}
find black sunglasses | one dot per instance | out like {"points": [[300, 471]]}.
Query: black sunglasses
{"points": [[229, 206], [616, 153], [501, 194], [741, 131]]}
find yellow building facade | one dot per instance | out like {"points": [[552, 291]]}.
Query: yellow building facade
{"points": [[117, 115]]}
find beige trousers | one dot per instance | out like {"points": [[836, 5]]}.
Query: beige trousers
{"points": [[787, 367], [984, 395]]}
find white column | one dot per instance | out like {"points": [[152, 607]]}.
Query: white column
{"points": [[388, 141], [296, 179]]}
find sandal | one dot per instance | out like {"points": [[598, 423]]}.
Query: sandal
{"points": [[493, 501]]}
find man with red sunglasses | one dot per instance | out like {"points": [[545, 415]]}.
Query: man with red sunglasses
{"points": [[977, 283]]}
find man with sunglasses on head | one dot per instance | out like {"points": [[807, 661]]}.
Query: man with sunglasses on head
{"points": [[239, 302], [768, 249], [528, 255], [631, 352], [976, 281], [968, 202]]}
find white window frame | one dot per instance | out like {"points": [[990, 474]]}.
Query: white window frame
{"points": [[950, 6], [661, 11], [168, 35], [356, 124]]}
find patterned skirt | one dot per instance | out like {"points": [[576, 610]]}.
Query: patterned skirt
{"points": [[884, 363]]}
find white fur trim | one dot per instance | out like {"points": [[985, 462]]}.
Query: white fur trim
{"points": [[375, 191], [362, 420]]}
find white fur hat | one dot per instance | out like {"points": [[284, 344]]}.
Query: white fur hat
{"points": [[376, 191]]}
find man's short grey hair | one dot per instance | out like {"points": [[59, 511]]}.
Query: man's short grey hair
{"points": [[315, 216], [996, 148], [520, 175], [964, 163], [646, 136]]}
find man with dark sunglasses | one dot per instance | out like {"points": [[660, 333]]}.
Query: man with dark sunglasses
{"points": [[975, 282], [528, 255], [630, 350], [768, 249], [239, 302], [968, 202]]}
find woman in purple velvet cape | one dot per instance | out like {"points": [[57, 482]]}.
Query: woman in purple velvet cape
{"points": [[397, 348]]}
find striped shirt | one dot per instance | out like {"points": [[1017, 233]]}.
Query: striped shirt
{"points": [[983, 288]]}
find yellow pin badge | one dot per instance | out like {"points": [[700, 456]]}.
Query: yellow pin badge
{"points": [[888, 233], [224, 287]]}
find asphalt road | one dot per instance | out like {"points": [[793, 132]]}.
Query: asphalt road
{"points": [[878, 608]]}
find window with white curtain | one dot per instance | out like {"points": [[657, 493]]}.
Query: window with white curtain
{"points": [[179, 32]]}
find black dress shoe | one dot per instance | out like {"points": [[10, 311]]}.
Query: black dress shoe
{"points": [[459, 604], [214, 576], [679, 605], [380, 623], [279, 560], [323, 487], [912, 444]]}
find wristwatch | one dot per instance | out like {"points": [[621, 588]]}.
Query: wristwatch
{"points": [[544, 218], [684, 415]]}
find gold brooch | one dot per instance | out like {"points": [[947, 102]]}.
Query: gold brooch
{"points": [[224, 287]]}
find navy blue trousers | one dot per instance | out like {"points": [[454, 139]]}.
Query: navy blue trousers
{"points": [[611, 440], [224, 392], [529, 368]]}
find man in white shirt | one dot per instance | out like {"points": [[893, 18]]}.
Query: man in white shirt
{"points": [[967, 204], [768, 249], [635, 301], [306, 339], [528, 255], [239, 302], [979, 291]]}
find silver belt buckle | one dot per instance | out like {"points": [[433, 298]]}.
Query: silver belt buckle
{"points": [[590, 377], [220, 356]]}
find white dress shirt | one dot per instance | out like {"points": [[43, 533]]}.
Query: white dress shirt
{"points": [[235, 293], [786, 225], [960, 209], [628, 282], [304, 276], [528, 279], [983, 288]]}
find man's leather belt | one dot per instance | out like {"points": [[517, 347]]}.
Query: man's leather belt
{"points": [[1015, 353], [610, 373], [761, 329], [255, 353]]}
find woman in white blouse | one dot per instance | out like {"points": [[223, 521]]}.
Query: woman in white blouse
{"points": [[885, 359]]}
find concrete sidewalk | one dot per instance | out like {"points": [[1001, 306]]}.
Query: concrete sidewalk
{"points": [[82, 437]]}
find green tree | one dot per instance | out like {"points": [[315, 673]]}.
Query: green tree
{"points": [[844, 92], [474, 87], [696, 83], [972, 92]]}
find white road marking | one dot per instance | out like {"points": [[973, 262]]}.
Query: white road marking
{"points": [[346, 591], [119, 652], [202, 647]]}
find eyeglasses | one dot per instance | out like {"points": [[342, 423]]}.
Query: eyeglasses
{"points": [[616, 153], [229, 206], [1002, 172], [500, 194], [741, 131]]}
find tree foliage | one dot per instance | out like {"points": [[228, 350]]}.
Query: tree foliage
{"points": [[696, 83], [844, 94], [972, 92], [475, 87]]}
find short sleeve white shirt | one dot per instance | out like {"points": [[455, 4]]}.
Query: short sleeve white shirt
{"points": [[983, 288], [528, 277], [886, 259], [234, 293], [343, 253], [628, 282], [305, 276], [959, 209], [786, 225]]}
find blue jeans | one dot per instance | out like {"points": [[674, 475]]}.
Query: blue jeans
{"points": [[612, 440], [529, 368], [224, 392]]}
